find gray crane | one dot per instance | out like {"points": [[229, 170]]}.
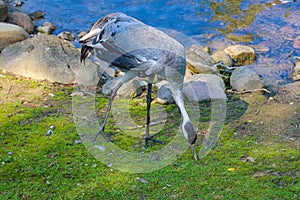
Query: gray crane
{"points": [[143, 51]]}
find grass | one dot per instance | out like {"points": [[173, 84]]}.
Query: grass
{"points": [[34, 166]]}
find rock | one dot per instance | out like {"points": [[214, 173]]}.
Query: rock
{"points": [[271, 85], [46, 28], [245, 79], [18, 3], [221, 56], [196, 88], [204, 87], [22, 20], [296, 72], [134, 87], [288, 92], [198, 60], [164, 94], [3, 11], [51, 58], [243, 55], [66, 36], [296, 43], [10, 33], [36, 15]]}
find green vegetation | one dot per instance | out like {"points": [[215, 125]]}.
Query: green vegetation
{"points": [[36, 166]]}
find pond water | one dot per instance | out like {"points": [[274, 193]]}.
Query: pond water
{"points": [[271, 26]]}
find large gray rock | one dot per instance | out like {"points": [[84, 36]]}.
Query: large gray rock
{"points": [[22, 20], [10, 33], [51, 58], [245, 79], [204, 87], [3, 11], [196, 88]]}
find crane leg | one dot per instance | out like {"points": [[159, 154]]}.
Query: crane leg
{"points": [[127, 77], [148, 137]]}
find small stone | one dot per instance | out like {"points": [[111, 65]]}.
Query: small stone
{"points": [[36, 15], [141, 180], [47, 28], [77, 141], [243, 55], [66, 36], [18, 3]]}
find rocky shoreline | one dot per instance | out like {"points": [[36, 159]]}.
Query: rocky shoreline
{"points": [[34, 52]]}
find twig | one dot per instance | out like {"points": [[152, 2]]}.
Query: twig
{"points": [[9, 90], [257, 90]]}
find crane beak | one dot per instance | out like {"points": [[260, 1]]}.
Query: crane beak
{"points": [[194, 152]]}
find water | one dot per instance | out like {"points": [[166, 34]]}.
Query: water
{"points": [[271, 24]]}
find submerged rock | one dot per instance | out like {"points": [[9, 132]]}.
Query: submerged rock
{"points": [[10, 33], [51, 58], [243, 55], [245, 79]]}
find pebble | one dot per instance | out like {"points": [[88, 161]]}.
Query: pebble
{"points": [[46, 28], [66, 36], [36, 15]]}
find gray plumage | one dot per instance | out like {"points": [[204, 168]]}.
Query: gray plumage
{"points": [[139, 50]]}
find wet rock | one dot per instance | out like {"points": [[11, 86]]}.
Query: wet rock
{"points": [[18, 3], [196, 88], [46, 28], [51, 58], [3, 11], [10, 33], [221, 56], [245, 79], [296, 43], [36, 15], [243, 55], [66, 36], [81, 34], [296, 72], [22, 20], [198, 60]]}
